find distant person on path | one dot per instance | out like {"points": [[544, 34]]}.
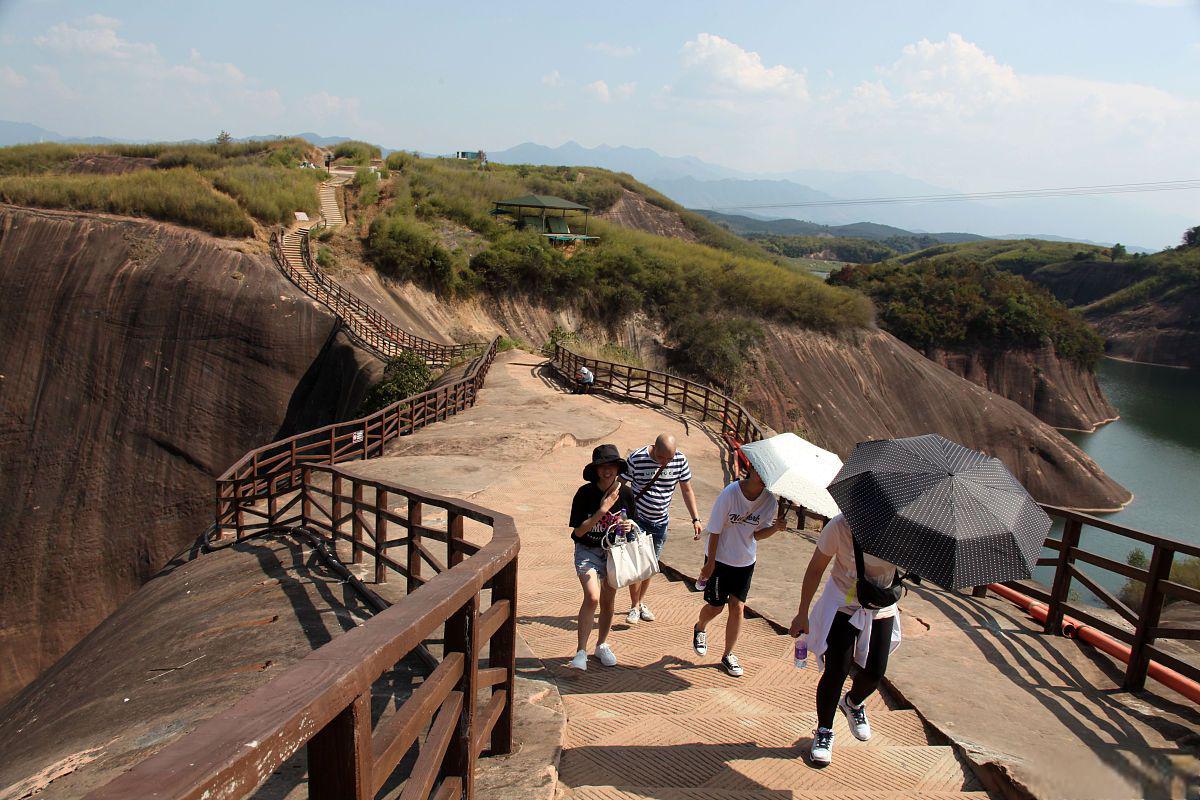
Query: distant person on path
{"points": [[652, 473], [841, 632], [602, 504], [734, 528], [584, 380]]}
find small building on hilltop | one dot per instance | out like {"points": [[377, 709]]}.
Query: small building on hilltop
{"points": [[547, 215]]}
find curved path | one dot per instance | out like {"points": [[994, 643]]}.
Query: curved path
{"points": [[664, 723]]}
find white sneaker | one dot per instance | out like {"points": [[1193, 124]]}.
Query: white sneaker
{"points": [[822, 746], [605, 654], [579, 662], [646, 613], [856, 716], [634, 615]]}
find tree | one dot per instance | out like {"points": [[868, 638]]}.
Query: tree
{"points": [[224, 138], [1191, 237], [1117, 251]]}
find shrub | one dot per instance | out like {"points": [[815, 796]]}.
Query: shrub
{"points": [[713, 349], [399, 161], [325, 258], [272, 194], [1183, 570], [175, 195], [366, 181], [404, 376], [407, 250], [355, 152]]}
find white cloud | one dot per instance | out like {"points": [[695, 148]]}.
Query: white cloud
{"points": [[613, 50], [325, 106], [952, 73], [95, 36], [720, 68], [599, 90], [12, 79], [552, 79]]}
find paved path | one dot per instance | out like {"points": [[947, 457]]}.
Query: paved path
{"points": [[664, 723]]}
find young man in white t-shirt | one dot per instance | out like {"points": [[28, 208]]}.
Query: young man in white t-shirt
{"points": [[734, 528]]}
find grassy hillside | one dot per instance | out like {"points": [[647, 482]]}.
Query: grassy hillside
{"points": [[218, 188], [957, 304], [717, 284], [1115, 283]]}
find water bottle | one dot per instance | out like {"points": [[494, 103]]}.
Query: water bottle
{"points": [[802, 651], [701, 583]]}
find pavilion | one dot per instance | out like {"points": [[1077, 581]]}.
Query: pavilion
{"points": [[536, 211]]}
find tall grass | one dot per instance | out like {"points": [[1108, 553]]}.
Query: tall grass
{"points": [[356, 152], [33, 159], [174, 195], [271, 194]]}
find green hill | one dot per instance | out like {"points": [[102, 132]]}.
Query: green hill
{"points": [[1146, 306]]}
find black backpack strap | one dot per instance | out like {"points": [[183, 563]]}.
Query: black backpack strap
{"points": [[858, 559]]}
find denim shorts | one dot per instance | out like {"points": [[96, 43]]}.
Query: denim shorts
{"points": [[591, 559], [658, 532]]}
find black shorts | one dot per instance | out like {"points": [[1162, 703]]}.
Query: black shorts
{"points": [[726, 582]]}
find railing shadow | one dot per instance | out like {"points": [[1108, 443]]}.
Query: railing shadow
{"points": [[1103, 727]]}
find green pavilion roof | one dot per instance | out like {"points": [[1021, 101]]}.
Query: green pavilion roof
{"points": [[542, 201]]}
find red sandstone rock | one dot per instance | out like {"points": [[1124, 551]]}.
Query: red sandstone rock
{"points": [[138, 361]]}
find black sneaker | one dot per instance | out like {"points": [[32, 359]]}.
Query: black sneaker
{"points": [[699, 641], [731, 665]]}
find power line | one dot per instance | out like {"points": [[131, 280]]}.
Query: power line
{"points": [[1063, 191]]}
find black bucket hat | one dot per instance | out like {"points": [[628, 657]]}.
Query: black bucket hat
{"points": [[604, 454]]}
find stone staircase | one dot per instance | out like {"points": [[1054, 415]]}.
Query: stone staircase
{"points": [[330, 209]]}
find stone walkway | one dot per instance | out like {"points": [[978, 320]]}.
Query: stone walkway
{"points": [[664, 723]]}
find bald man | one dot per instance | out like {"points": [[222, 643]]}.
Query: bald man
{"points": [[652, 473]]}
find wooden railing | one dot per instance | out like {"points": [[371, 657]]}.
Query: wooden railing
{"points": [[737, 427], [323, 702], [364, 323]]}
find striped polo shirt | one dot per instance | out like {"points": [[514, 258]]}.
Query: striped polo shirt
{"points": [[655, 504]]}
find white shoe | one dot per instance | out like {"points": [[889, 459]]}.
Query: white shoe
{"points": [[822, 746], [579, 662], [605, 654], [856, 716], [646, 614], [634, 615]]}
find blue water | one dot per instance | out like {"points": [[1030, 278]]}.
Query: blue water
{"points": [[1153, 450]]}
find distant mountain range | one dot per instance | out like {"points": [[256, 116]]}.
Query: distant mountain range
{"points": [[858, 230], [701, 185]]}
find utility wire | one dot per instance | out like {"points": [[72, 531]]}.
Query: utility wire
{"points": [[1065, 191]]}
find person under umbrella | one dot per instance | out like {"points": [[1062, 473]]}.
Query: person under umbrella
{"points": [[929, 505]]}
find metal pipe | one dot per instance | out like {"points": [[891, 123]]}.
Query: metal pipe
{"points": [[1074, 629]]}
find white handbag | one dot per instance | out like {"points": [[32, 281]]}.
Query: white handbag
{"points": [[630, 560]]}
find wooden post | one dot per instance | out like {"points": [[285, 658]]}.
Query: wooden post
{"points": [[380, 534], [461, 638], [356, 528], [414, 538], [502, 653], [340, 755], [305, 498], [454, 538], [1060, 591], [272, 501], [1143, 634], [336, 511]]}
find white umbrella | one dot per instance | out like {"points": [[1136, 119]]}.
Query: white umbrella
{"points": [[796, 469]]}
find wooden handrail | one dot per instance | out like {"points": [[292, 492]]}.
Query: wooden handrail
{"points": [[323, 701], [738, 426]]}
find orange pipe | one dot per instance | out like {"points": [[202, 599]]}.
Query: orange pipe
{"points": [[1074, 629]]}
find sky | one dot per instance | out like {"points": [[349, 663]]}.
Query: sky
{"points": [[973, 96]]}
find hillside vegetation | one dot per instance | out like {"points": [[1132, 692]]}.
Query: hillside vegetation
{"points": [[715, 284], [218, 188], [957, 304]]}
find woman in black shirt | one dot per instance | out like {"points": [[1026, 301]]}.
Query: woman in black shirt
{"points": [[597, 508]]}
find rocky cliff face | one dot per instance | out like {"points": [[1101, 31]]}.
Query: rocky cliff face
{"points": [[838, 392], [1059, 393], [1155, 332], [139, 360]]}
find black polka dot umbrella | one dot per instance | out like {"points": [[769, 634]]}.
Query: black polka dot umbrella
{"points": [[953, 516]]}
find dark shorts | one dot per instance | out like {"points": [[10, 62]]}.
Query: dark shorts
{"points": [[658, 532], [726, 582]]}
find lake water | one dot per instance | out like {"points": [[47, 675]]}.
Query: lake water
{"points": [[1153, 450]]}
